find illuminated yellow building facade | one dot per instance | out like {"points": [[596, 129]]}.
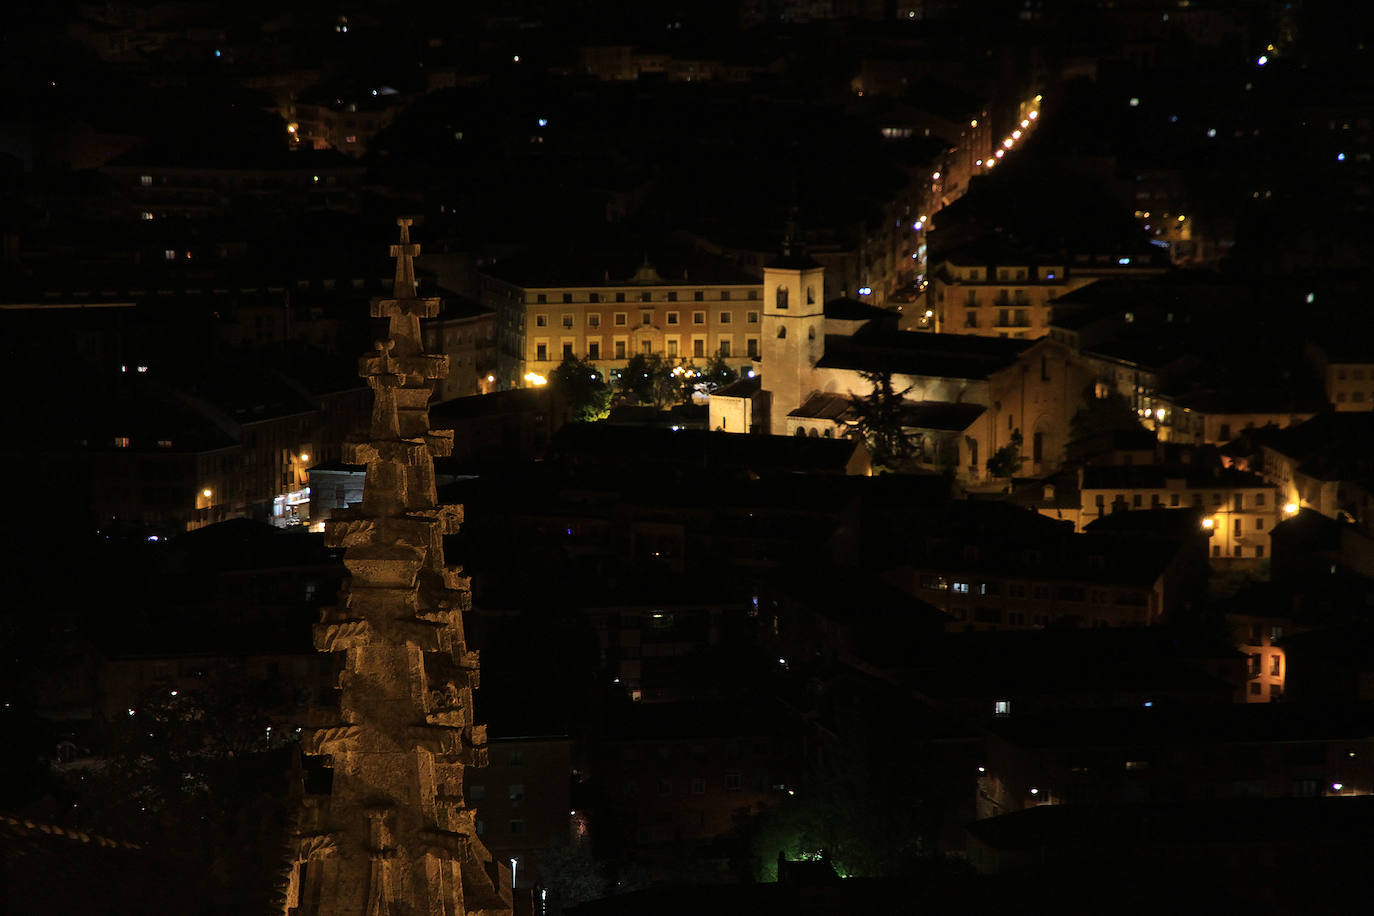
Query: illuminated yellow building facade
{"points": [[610, 322], [1240, 509]]}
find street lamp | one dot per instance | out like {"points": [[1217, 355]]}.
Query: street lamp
{"points": [[513, 863]]}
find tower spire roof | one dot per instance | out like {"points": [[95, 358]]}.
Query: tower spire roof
{"points": [[395, 834]]}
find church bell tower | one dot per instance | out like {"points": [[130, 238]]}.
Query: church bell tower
{"points": [[793, 329]]}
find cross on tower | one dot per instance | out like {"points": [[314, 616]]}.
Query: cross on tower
{"points": [[404, 253]]}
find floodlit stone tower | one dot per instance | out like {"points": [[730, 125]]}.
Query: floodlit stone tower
{"points": [[395, 836], [793, 328]]}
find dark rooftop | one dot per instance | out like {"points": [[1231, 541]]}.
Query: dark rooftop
{"points": [[915, 353]]}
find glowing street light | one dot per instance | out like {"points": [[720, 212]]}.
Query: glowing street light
{"points": [[1290, 509], [207, 493], [535, 379]]}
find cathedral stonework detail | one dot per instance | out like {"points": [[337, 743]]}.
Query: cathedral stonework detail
{"points": [[393, 835]]}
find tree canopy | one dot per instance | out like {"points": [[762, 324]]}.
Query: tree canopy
{"points": [[879, 418], [583, 387]]}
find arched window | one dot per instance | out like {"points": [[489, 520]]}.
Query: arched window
{"points": [[782, 297], [814, 434], [829, 433], [782, 332], [810, 333], [800, 433]]}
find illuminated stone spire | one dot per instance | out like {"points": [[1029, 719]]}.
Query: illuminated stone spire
{"points": [[395, 836]]}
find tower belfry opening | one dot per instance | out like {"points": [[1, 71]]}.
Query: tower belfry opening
{"points": [[394, 835]]}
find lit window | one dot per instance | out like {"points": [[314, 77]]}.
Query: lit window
{"points": [[170, 254], [1001, 708], [351, 138], [145, 180], [121, 442]]}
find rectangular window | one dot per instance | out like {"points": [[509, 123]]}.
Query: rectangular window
{"points": [[516, 791], [619, 297], [672, 317], [1259, 500], [725, 295], [698, 296], [517, 827], [567, 321], [698, 318], [121, 441], [541, 321], [733, 782], [1236, 525], [477, 793], [672, 296], [146, 180], [751, 346], [1173, 500], [646, 347], [1001, 708], [725, 317], [698, 786], [567, 349], [594, 350], [593, 297], [725, 348], [970, 319], [594, 321], [621, 319], [646, 317], [541, 351], [698, 346], [1259, 551], [646, 296], [752, 295], [672, 347], [1276, 665], [540, 298], [567, 298], [620, 349], [751, 317]]}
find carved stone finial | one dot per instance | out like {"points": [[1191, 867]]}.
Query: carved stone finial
{"points": [[404, 253]]}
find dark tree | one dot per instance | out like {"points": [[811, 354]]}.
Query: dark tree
{"points": [[1006, 461], [879, 420], [583, 388]]}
